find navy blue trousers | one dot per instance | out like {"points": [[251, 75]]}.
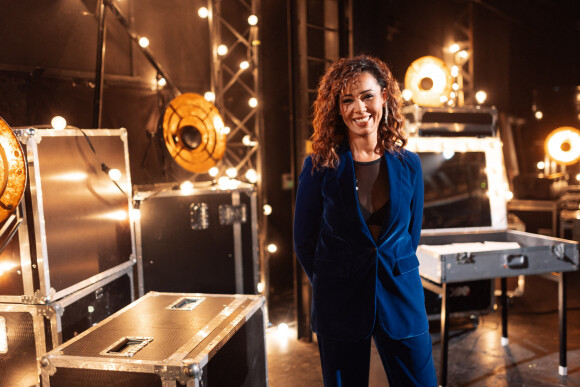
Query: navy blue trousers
{"points": [[407, 362]]}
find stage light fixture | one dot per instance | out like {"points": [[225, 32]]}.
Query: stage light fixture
{"points": [[563, 145], [244, 64], [253, 102], [429, 80], [161, 82], [539, 115], [541, 165], [193, 132]]}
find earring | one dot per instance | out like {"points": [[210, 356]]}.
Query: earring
{"points": [[385, 114]]}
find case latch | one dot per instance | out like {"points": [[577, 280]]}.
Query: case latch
{"points": [[230, 214], [199, 215], [464, 258]]}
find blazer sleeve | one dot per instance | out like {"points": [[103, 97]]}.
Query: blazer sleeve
{"points": [[416, 202], [307, 216]]}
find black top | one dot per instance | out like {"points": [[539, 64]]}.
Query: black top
{"points": [[372, 182]]}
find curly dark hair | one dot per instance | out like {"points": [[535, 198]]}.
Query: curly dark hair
{"points": [[329, 127]]}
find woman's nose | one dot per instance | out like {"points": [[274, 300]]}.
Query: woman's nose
{"points": [[360, 106]]}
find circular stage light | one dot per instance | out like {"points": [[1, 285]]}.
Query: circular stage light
{"points": [[428, 79], [13, 171], [194, 132], [563, 145]]}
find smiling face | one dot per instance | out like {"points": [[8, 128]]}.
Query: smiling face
{"points": [[361, 106]]}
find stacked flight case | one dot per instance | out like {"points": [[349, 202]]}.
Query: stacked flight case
{"points": [[199, 240], [168, 339], [465, 237], [69, 262]]}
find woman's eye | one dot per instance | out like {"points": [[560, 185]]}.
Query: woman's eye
{"points": [[368, 96], [347, 100]]}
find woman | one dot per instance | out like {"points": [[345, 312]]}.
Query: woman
{"points": [[357, 223]]}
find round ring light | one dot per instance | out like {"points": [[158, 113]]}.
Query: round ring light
{"points": [[194, 132], [563, 145], [13, 171], [429, 79]]}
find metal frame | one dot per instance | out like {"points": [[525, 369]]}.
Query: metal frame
{"points": [[45, 294], [175, 369], [53, 312], [497, 180]]}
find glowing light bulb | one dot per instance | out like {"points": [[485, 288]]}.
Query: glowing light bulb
{"points": [[539, 115], [272, 248], [209, 96], [115, 174], [186, 187], [144, 42], [252, 175], [480, 96], [407, 94], [267, 209], [252, 20], [203, 12], [253, 102], [541, 165], [161, 82], [232, 172], [244, 64], [58, 123], [454, 48], [222, 49], [213, 171]]}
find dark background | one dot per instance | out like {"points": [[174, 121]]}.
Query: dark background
{"points": [[525, 53]]}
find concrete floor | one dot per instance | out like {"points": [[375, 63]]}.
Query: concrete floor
{"points": [[476, 357]]}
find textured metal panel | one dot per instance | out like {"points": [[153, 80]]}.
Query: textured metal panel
{"points": [[170, 329], [222, 328], [18, 366], [81, 206]]}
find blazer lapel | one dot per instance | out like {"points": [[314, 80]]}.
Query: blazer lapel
{"points": [[395, 175], [347, 187]]}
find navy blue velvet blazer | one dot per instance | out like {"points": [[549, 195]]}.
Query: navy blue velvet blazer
{"points": [[354, 277]]}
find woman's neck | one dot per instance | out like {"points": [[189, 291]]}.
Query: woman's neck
{"points": [[364, 149]]}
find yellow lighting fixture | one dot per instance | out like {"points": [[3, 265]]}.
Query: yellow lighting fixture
{"points": [[563, 145], [193, 132], [429, 79]]}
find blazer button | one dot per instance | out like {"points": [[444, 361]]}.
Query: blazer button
{"points": [[374, 250]]}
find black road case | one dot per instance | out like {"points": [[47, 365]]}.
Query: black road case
{"points": [[203, 240], [168, 339]]}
